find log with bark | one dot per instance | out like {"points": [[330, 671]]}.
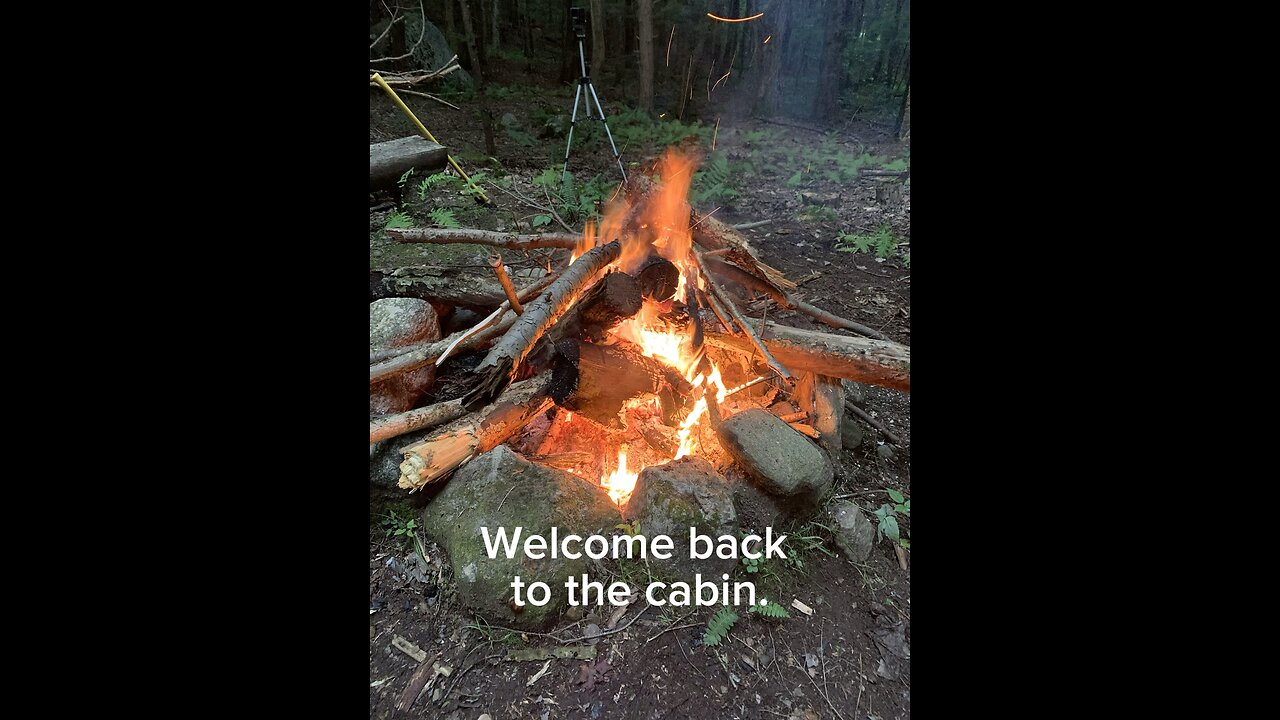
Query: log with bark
{"points": [[612, 299], [875, 362], [424, 418], [431, 460], [658, 277], [447, 286], [429, 353], [596, 381], [499, 366], [512, 241]]}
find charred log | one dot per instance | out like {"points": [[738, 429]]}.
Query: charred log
{"points": [[658, 278], [597, 380]]}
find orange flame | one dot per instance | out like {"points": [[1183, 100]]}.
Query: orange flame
{"points": [[620, 482]]}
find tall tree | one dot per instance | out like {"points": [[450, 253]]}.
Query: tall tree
{"points": [[473, 53], [597, 34], [494, 38], [644, 18]]}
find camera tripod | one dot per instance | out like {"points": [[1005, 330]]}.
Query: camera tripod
{"points": [[580, 29]]}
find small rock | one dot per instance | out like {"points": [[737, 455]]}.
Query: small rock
{"points": [[851, 434], [396, 322], [854, 533], [686, 493], [782, 461], [885, 452], [592, 633], [575, 612]]}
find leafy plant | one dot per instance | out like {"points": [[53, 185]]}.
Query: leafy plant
{"points": [[399, 219], [771, 610], [753, 565], [631, 529], [400, 527], [444, 218], [818, 213], [440, 179], [521, 137], [719, 626], [795, 180], [405, 177], [899, 164], [714, 182], [882, 240], [888, 518]]}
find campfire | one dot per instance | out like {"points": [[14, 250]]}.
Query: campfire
{"points": [[633, 355]]}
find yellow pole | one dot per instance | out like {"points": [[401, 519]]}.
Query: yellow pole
{"points": [[405, 108]]}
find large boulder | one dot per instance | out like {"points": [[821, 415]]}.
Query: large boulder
{"points": [[502, 489], [671, 498], [396, 322], [780, 460]]}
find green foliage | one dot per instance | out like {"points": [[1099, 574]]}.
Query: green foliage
{"points": [[431, 182], [719, 626], [887, 515], [399, 527], [883, 241], [631, 529], [574, 202], [444, 218], [398, 219], [899, 164], [753, 565], [521, 137], [901, 504], [771, 610], [405, 177], [714, 182], [817, 213], [757, 137]]}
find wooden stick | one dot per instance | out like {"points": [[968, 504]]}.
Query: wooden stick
{"points": [[495, 262], [512, 241], [425, 355], [748, 226], [389, 426], [500, 364], [429, 461], [794, 417], [874, 362], [716, 310], [716, 291], [804, 429], [888, 435]]}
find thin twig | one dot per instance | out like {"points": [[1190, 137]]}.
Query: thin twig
{"points": [[406, 91], [655, 637], [888, 435], [716, 291], [748, 226], [394, 20], [421, 35]]}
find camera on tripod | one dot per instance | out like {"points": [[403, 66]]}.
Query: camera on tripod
{"points": [[579, 17]]}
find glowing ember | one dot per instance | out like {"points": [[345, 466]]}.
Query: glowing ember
{"points": [[568, 417], [620, 483], [753, 17]]}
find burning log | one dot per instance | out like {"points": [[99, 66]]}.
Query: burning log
{"points": [[614, 298], [658, 278], [875, 362], [596, 381], [429, 461], [511, 241], [498, 367], [716, 292]]}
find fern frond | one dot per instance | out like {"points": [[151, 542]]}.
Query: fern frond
{"points": [[399, 219], [771, 610], [444, 218], [719, 626]]}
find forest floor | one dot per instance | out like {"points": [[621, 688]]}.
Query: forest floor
{"points": [[850, 658]]}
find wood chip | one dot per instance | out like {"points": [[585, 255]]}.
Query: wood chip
{"points": [[805, 429], [538, 675], [574, 652], [409, 648], [795, 603]]}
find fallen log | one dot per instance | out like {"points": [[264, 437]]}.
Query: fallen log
{"points": [[429, 353], [450, 286], [498, 367], [513, 241], [614, 298], [389, 426], [431, 460], [596, 381], [875, 362], [389, 160]]}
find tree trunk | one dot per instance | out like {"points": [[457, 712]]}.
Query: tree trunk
{"points": [[451, 30], [398, 46], [494, 37], [597, 36], [525, 23], [832, 69], [904, 116], [644, 16], [473, 54]]}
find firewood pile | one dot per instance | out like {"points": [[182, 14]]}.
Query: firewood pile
{"points": [[637, 348]]}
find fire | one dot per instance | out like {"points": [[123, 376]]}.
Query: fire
{"points": [[661, 226], [620, 483]]}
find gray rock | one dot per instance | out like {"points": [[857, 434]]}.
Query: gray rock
{"points": [[385, 458], [854, 532], [851, 434], [396, 322], [756, 509], [854, 392], [782, 461], [885, 452], [502, 489], [669, 499]]}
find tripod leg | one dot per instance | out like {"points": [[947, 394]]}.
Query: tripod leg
{"points": [[617, 157], [573, 119]]}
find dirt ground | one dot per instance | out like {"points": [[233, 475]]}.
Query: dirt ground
{"points": [[851, 657]]}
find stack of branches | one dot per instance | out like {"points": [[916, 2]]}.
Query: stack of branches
{"points": [[545, 343]]}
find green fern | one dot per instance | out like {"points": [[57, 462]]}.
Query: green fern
{"points": [[399, 219], [719, 626], [444, 218], [899, 164], [771, 610]]}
